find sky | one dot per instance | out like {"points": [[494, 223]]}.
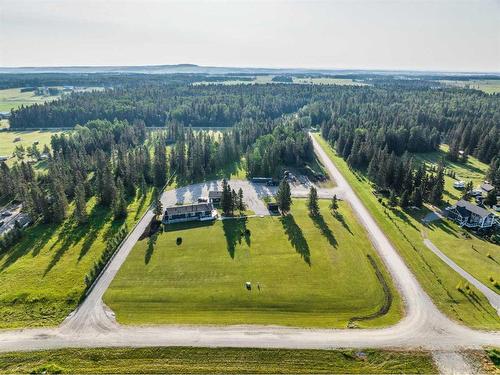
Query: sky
{"points": [[439, 35]]}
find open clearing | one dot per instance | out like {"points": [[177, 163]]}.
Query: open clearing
{"points": [[7, 144], [42, 276], [216, 360], [489, 86], [310, 273], [405, 230], [14, 98]]}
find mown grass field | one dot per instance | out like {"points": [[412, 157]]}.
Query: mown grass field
{"points": [[405, 231], [328, 81], [42, 276], [310, 273], [14, 98], [184, 360], [7, 144]]}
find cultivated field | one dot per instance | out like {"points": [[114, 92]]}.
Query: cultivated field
{"points": [[184, 360], [405, 230], [14, 98], [42, 276], [489, 86], [304, 272]]}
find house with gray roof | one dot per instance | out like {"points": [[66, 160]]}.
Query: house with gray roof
{"points": [[189, 212], [487, 187], [469, 215]]}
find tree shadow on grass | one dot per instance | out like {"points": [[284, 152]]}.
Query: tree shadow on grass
{"points": [[444, 226], [296, 237], [403, 216], [337, 215], [235, 230], [319, 221], [34, 239], [151, 247]]}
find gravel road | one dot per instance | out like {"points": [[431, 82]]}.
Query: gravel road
{"points": [[423, 326]]}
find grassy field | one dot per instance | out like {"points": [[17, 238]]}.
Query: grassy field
{"points": [[301, 272], [474, 170], [185, 360], [14, 98], [489, 86], [42, 276], [4, 124], [405, 231], [470, 252], [7, 144], [328, 81]]}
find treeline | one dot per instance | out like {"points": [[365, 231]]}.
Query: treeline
{"points": [[363, 121], [108, 160], [156, 104]]}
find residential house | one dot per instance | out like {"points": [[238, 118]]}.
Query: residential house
{"points": [[189, 212], [486, 188], [469, 215], [214, 196]]}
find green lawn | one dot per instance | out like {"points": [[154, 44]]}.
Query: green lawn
{"points": [[186, 360], [470, 252], [473, 170], [405, 230], [311, 273], [14, 98], [7, 144], [42, 276]]}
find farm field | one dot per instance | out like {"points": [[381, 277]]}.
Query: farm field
{"points": [[489, 86], [14, 98], [328, 81], [42, 276], [216, 360], [7, 144], [301, 272], [405, 231]]}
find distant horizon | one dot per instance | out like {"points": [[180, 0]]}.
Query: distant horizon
{"points": [[249, 67]]}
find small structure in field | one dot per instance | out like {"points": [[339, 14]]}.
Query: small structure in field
{"points": [[459, 184], [248, 285], [17, 139], [189, 212]]}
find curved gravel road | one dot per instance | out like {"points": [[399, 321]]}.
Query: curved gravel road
{"points": [[423, 327]]}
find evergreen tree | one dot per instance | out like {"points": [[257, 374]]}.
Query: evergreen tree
{"points": [[416, 198], [241, 203], [158, 206], [405, 199], [80, 204], [334, 203], [284, 196], [59, 204], [491, 198], [312, 203], [234, 201], [119, 202], [393, 199], [160, 164], [226, 201]]}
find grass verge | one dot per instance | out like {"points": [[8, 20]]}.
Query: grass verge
{"points": [[404, 229], [176, 360]]}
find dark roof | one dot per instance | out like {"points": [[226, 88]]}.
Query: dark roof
{"points": [[196, 207], [215, 194], [466, 208], [487, 187], [23, 219]]}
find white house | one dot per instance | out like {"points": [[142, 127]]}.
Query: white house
{"points": [[469, 215], [189, 212]]}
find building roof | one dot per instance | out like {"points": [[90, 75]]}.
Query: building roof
{"points": [[215, 194], [487, 187], [466, 208], [188, 208]]}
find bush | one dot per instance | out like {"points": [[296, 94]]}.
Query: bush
{"points": [[178, 241]]}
